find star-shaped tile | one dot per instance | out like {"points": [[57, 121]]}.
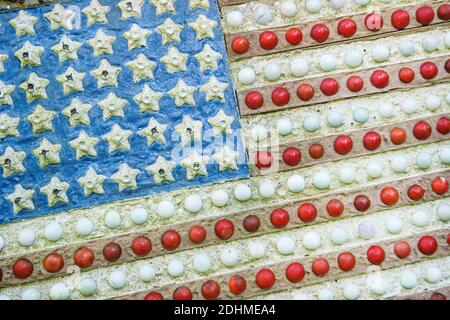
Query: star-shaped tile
{"points": [[5, 93], [8, 126], [112, 106], [47, 153], [126, 177], [106, 74], [195, 164], [21, 199], [208, 58], [41, 119], [174, 60], [35, 87], [92, 182], [84, 145], [56, 191], [137, 37], [71, 80], [183, 94], [161, 170], [12, 161], [214, 89], [195, 4], [101, 43], [130, 8], [66, 49], [189, 130], [163, 6], [203, 26], [3, 58], [77, 113], [24, 23], [154, 132], [142, 67], [221, 123], [29, 55], [148, 99], [95, 12], [170, 31], [60, 17], [117, 139], [226, 158]]}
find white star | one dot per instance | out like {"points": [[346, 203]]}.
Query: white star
{"points": [[170, 31], [12, 161], [35, 87], [8, 126], [112, 106], [92, 182], [60, 17], [126, 177], [117, 138], [106, 74], [183, 94], [102, 43], [204, 27], [3, 58], [29, 55], [77, 113], [142, 67], [161, 170], [41, 119], [5, 93], [148, 99], [67, 49], [71, 80], [137, 37], [95, 12], [24, 23], [47, 153], [194, 4], [84, 145], [154, 132], [130, 8], [56, 191], [189, 130], [21, 199], [174, 60], [221, 123], [207, 58], [214, 89], [226, 158], [195, 164], [163, 6]]}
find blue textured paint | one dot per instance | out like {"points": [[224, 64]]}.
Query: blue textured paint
{"points": [[140, 155]]}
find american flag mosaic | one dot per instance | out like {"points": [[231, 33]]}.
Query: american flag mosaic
{"points": [[229, 149]]}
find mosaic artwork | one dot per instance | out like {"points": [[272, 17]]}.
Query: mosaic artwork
{"points": [[224, 149]]}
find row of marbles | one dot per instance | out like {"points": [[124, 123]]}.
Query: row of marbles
{"points": [[254, 15], [378, 284]]}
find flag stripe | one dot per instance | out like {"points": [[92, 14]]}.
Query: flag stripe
{"points": [[307, 41]]}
